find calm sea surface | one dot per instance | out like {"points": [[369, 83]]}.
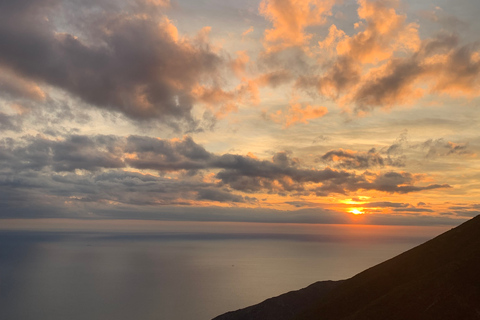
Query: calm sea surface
{"points": [[179, 275]]}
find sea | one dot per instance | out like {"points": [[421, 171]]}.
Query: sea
{"points": [[179, 271]]}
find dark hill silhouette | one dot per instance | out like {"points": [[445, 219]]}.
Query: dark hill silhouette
{"points": [[438, 280]]}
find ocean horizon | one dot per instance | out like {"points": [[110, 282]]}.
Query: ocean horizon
{"points": [[181, 273]]}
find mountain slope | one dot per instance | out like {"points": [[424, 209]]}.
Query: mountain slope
{"points": [[285, 306], [439, 279]]}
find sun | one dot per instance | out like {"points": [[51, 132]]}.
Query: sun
{"points": [[356, 211]]}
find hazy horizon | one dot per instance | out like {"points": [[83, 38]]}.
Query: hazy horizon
{"points": [[177, 271]]}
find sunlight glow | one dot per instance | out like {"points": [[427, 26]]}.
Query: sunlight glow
{"points": [[356, 211]]}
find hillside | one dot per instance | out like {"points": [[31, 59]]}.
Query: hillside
{"points": [[439, 279]]}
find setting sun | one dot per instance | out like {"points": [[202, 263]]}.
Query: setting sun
{"points": [[356, 211]]}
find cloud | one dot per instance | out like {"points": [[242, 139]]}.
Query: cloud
{"points": [[385, 32], [388, 182], [440, 147], [165, 155], [10, 122], [123, 58], [412, 210], [75, 152], [219, 196], [350, 159], [397, 182], [14, 87], [274, 78], [341, 75], [385, 63], [440, 64], [298, 113], [465, 210], [385, 204], [290, 18], [353, 159], [105, 170], [223, 102], [247, 32]]}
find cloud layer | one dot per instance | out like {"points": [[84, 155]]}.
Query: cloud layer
{"points": [[115, 106]]}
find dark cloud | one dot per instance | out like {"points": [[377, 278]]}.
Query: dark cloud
{"points": [[441, 64], [75, 152], [395, 87], [219, 195], [281, 174], [397, 182], [353, 160], [339, 76], [80, 152], [456, 73], [465, 210], [10, 122], [14, 87], [390, 182], [86, 171], [412, 210], [122, 58], [349, 159], [275, 78], [165, 155], [385, 204], [440, 147]]}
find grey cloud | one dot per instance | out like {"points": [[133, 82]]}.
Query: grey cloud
{"points": [[469, 210], [122, 60], [14, 87], [395, 83], [412, 210], [395, 182], [339, 76], [166, 155], [10, 122], [275, 78], [396, 86], [94, 169], [353, 160], [399, 145], [385, 204], [390, 182], [219, 195], [440, 147], [349, 159], [75, 152], [390, 89], [247, 174], [293, 59], [80, 152]]}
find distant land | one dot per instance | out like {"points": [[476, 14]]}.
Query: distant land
{"points": [[437, 280]]}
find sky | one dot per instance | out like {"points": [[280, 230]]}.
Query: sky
{"points": [[278, 111]]}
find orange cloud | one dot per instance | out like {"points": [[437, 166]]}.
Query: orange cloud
{"points": [[240, 63], [159, 3], [386, 64], [385, 32], [290, 18], [297, 113], [334, 35], [15, 86], [439, 66], [223, 102], [169, 28], [246, 32]]}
